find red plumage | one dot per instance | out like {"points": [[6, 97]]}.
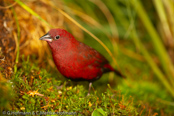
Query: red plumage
{"points": [[74, 59]]}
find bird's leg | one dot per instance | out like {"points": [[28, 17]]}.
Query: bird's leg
{"points": [[90, 85], [61, 86]]}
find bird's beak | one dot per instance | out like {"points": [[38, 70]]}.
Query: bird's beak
{"points": [[46, 37]]}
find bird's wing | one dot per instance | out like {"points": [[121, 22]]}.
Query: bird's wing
{"points": [[90, 57]]}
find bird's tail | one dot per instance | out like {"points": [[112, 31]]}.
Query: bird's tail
{"points": [[119, 73], [109, 68]]}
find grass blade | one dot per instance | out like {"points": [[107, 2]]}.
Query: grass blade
{"points": [[31, 11]]}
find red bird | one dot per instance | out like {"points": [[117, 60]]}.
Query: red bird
{"points": [[75, 60]]}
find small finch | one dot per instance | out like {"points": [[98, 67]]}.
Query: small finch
{"points": [[75, 60]]}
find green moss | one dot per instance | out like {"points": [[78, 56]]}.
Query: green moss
{"points": [[6, 93], [37, 90], [148, 93]]}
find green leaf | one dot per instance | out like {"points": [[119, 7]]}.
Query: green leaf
{"points": [[99, 112]]}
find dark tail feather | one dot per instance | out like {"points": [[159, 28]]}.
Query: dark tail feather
{"points": [[119, 74], [108, 68]]}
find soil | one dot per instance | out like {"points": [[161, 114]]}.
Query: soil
{"points": [[7, 43]]}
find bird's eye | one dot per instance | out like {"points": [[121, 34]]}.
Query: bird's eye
{"points": [[57, 37]]}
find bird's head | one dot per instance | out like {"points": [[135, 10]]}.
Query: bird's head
{"points": [[58, 39]]}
